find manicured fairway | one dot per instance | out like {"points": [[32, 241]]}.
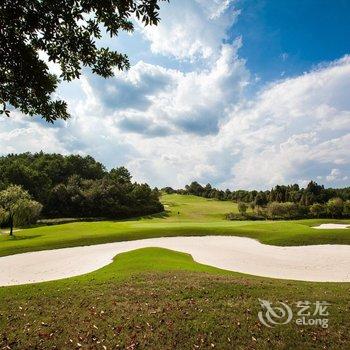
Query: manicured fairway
{"points": [[197, 216], [154, 298]]}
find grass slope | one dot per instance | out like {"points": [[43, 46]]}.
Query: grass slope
{"points": [[154, 298], [184, 215]]}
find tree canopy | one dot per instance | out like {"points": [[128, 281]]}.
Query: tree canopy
{"points": [[76, 186], [17, 207], [312, 193], [67, 32]]}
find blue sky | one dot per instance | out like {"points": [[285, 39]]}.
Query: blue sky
{"points": [[289, 37], [242, 94]]}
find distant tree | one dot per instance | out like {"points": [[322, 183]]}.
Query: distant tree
{"points": [[121, 175], [335, 207], [207, 189], [313, 193], [156, 193], [66, 31], [274, 210], [242, 207], [26, 176], [314, 188], [196, 189], [86, 167], [17, 207], [168, 190], [318, 209], [260, 199], [346, 209], [287, 210], [76, 186], [252, 195]]}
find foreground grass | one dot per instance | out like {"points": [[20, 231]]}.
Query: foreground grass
{"points": [[158, 299], [184, 216]]}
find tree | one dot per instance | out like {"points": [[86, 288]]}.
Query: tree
{"points": [[346, 209], [318, 209], [168, 190], [195, 188], [66, 31], [260, 199], [77, 186], [207, 190], [17, 207], [242, 207], [121, 175], [287, 210], [335, 207]]}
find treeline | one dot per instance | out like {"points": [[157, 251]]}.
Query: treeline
{"points": [[281, 201], [76, 186], [333, 208]]}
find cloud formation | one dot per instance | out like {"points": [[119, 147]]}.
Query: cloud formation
{"points": [[155, 101], [294, 130], [191, 30], [199, 121]]}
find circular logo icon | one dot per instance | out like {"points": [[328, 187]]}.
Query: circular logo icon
{"points": [[274, 315]]}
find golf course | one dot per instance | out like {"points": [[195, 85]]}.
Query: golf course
{"points": [[161, 298], [174, 175]]}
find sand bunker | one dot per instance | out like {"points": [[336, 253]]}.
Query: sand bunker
{"points": [[307, 263], [331, 226]]}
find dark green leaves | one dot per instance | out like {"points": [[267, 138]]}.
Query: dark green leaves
{"points": [[66, 31]]}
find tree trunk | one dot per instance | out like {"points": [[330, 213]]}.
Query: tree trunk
{"points": [[11, 225]]}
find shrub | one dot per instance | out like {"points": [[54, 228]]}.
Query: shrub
{"points": [[335, 207], [346, 208], [242, 207], [318, 210], [285, 210]]}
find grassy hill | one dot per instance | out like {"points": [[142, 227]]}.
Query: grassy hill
{"points": [[156, 298], [193, 208]]}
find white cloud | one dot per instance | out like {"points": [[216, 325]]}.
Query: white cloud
{"points": [[171, 126], [294, 130], [334, 174], [191, 29], [22, 134], [155, 101]]}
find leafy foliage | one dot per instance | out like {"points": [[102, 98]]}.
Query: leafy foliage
{"points": [[17, 207], [78, 186], [66, 31], [335, 207], [318, 209], [313, 193], [242, 207]]}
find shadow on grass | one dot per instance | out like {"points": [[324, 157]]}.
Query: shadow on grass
{"points": [[162, 215], [8, 238]]}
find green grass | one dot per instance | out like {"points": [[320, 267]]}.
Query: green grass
{"points": [[155, 298], [197, 216]]}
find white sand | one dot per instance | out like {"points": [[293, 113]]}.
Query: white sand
{"points": [[331, 226], [307, 263]]}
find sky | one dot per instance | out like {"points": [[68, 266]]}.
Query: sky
{"points": [[237, 93]]}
